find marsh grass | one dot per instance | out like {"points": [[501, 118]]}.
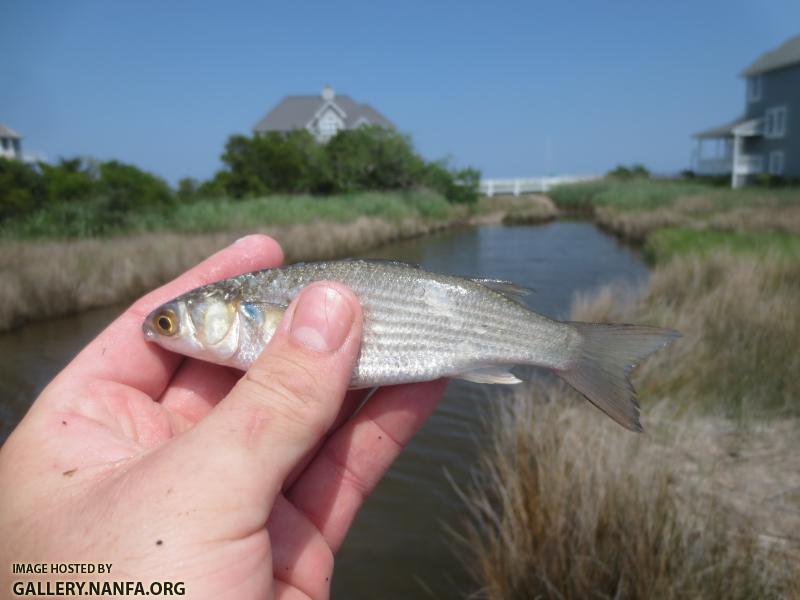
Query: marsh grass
{"points": [[210, 215], [664, 244], [740, 323], [652, 194], [510, 210], [634, 209], [578, 197], [703, 504], [94, 218], [40, 279], [569, 506]]}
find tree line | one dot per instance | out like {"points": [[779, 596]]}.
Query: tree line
{"points": [[368, 158]]}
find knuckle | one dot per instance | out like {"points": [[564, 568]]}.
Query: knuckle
{"points": [[350, 476]]}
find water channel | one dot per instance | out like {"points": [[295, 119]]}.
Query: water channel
{"points": [[398, 547]]}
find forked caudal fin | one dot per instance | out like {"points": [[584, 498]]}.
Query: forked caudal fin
{"points": [[607, 355]]}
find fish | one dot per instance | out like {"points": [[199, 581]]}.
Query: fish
{"points": [[418, 326]]}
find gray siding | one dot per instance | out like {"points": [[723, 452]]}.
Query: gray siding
{"points": [[780, 87]]}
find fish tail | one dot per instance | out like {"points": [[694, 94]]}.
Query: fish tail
{"points": [[606, 357]]}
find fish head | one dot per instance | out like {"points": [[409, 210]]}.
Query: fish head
{"points": [[214, 324], [202, 324]]}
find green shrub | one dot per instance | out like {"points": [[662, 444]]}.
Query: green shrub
{"points": [[79, 197], [69, 180], [372, 158], [128, 187], [636, 171], [275, 162], [187, 189], [458, 186], [21, 189], [354, 160]]}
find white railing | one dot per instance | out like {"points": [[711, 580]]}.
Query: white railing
{"points": [[714, 166], [495, 187], [748, 164]]}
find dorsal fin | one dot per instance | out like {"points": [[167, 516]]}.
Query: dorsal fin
{"points": [[377, 261], [509, 289]]}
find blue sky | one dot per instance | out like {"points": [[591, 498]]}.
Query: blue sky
{"points": [[513, 88]]}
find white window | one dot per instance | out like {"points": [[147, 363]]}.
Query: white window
{"points": [[775, 122], [329, 125], [776, 162], [754, 88]]}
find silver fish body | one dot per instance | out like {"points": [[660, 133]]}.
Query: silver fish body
{"points": [[418, 326]]}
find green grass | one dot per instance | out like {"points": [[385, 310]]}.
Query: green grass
{"points": [[646, 194], [664, 244], [577, 196], [97, 218], [643, 194], [650, 194]]}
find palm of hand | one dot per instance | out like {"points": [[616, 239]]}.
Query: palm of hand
{"points": [[103, 464]]}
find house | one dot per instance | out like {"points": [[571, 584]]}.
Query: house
{"points": [[766, 138], [10, 143], [323, 116]]}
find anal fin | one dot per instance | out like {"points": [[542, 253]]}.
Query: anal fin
{"points": [[500, 374]]}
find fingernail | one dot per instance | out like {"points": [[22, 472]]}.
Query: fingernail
{"points": [[322, 319], [245, 239]]}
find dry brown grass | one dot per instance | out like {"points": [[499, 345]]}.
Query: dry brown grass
{"points": [[781, 219], [740, 322], [636, 225], [47, 279], [510, 210], [756, 213], [706, 503], [570, 506]]}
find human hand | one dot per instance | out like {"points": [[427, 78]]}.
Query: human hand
{"points": [[174, 469]]}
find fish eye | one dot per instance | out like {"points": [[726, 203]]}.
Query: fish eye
{"points": [[166, 323]]}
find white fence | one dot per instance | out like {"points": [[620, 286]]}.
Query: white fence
{"points": [[494, 187]]}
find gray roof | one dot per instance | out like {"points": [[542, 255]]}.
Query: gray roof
{"points": [[721, 130], [785, 55], [7, 132], [295, 112]]}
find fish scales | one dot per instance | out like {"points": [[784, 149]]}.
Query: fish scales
{"points": [[421, 325], [418, 326]]}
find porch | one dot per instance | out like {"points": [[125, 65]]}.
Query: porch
{"points": [[720, 151]]}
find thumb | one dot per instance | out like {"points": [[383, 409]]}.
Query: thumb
{"points": [[290, 396]]}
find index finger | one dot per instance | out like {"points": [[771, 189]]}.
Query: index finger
{"points": [[121, 354], [352, 461]]}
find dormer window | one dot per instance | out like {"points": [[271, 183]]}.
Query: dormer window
{"points": [[754, 88], [775, 122], [329, 125]]}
